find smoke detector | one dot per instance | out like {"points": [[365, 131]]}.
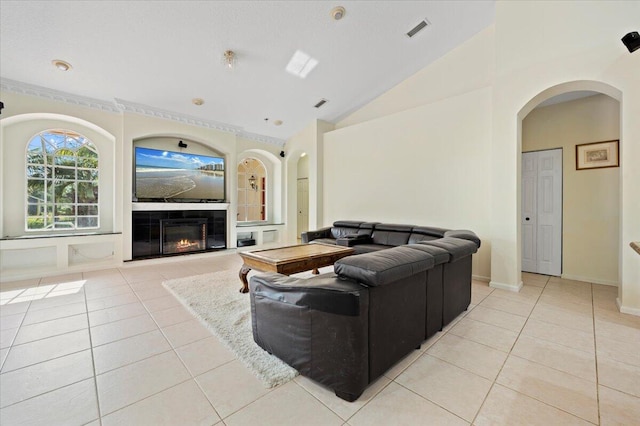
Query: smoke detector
{"points": [[337, 13]]}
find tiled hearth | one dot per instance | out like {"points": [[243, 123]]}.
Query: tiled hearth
{"points": [[112, 347]]}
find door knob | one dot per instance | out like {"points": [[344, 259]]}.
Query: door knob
{"points": [[526, 218]]}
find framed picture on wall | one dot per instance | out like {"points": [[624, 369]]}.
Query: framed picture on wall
{"points": [[597, 155]]}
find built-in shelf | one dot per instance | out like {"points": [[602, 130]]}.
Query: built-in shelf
{"points": [[262, 233], [33, 256]]}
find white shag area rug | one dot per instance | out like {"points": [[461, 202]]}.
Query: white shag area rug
{"points": [[215, 299]]}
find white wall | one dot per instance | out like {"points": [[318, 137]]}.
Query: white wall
{"points": [[303, 167], [428, 166], [534, 51], [540, 45], [591, 198], [420, 153]]}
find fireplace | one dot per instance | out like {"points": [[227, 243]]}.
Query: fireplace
{"points": [[159, 233], [182, 235]]}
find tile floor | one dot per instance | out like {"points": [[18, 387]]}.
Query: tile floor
{"points": [[113, 347]]}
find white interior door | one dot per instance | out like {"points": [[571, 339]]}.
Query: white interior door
{"points": [[303, 206], [542, 212]]}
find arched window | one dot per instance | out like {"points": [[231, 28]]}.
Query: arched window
{"points": [[62, 182], [252, 193]]}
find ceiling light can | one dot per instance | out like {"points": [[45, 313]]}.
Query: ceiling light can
{"points": [[337, 13], [61, 65]]}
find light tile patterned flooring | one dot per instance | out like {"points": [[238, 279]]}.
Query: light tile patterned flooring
{"points": [[113, 347]]}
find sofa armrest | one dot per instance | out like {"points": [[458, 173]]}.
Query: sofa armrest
{"points": [[323, 293], [353, 239], [309, 236], [463, 234], [319, 326]]}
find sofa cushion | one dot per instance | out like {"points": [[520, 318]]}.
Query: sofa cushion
{"points": [[425, 233], [324, 241], [391, 234], [347, 223], [369, 247], [367, 228], [439, 254], [383, 266], [342, 228], [456, 247], [415, 238]]}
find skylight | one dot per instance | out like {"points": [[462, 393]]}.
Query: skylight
{"points": [[301, 64]]}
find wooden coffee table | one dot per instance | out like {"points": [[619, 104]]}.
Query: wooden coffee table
{"points": [[290, 260]]}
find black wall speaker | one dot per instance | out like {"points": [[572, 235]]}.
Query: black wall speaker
{"points": [[632, 41]]}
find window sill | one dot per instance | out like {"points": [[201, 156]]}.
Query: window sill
{"points": [[61, 235]]}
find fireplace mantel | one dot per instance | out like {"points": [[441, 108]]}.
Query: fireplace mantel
{"points": [[140, 207]]}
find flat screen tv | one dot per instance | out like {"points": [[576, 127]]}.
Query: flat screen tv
{"points": [[178, 176]]}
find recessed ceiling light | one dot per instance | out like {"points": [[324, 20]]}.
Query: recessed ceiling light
{"points": [[337, 13], [197, 101], [61, 65], [277, 123], [304, 154], [301, 64]]}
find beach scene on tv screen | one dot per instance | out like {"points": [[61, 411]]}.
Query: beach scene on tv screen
{"points": [[171, 175]]}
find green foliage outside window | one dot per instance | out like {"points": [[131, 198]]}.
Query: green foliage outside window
{"points": [[62, 182]]}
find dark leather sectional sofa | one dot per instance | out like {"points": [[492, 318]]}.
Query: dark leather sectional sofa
{"points": [[345, 329], [365, 237]]}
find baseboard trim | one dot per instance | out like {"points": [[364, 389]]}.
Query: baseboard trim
{"points": [[590, 280], [515, 288], [627, 310], [481, 278]]}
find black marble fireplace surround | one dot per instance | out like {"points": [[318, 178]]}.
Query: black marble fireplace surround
{"points": [[177, 232]]}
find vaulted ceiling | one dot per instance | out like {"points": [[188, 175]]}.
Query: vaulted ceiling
{"points": [[163, 54]]}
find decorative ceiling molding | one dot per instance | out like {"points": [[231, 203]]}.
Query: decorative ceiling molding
{"points": [[174, 116], [261, 138], [55, 95], [121, 105]]}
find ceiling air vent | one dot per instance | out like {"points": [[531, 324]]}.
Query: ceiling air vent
{"points": [[415, 30], [319, 104]]}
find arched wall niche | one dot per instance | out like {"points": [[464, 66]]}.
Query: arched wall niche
{"points": [[16, 131], [273, 167], [170, 142]]}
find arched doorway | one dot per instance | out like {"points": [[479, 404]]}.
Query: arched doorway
{"points": [[591, 201]]}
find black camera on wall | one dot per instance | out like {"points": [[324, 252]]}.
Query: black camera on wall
{"points": [[632, 41]]}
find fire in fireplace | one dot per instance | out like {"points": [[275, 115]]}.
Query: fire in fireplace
{"points": [[183, 235]]}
